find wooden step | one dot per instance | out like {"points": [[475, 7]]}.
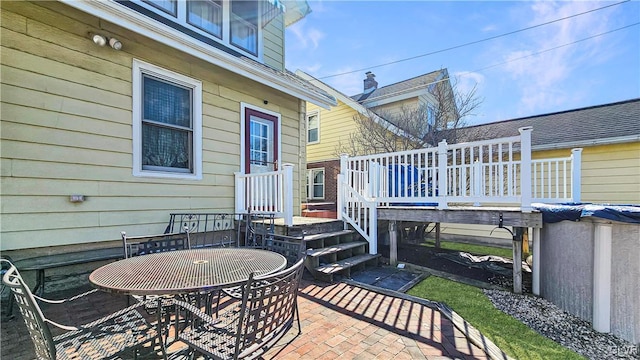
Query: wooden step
{"points": [[335, 248], [328, 235], [345, 264]]}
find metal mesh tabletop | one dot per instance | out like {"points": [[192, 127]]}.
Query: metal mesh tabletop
{"points": [[185, 271]]}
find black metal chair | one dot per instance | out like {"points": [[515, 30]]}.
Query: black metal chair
{"points": [[109, 337], [246, 329], [292, 248], [149, 244]]}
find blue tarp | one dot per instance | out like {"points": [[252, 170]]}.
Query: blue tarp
{"points": [[573, 212], [413, 186]]}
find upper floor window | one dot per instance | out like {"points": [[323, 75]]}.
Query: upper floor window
{"points": [[232, 22], [167, 123], [313, 128], [431, 115]]}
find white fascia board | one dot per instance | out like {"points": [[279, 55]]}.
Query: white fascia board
{"points": [[584, 143], [129, 19], [349, 102]]}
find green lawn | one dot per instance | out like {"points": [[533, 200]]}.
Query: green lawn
{"points": [[509, 334], [472, 249]]}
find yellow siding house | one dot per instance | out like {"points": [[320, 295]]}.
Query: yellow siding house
{"points": [[608, 134], [116, 113], [328, 129]]}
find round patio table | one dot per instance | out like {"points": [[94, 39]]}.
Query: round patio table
{"points": [[185, 271]]}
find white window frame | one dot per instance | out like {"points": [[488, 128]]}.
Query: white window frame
{"points": [[310, 183], [310, 114], [140, 68], [181, 19]]}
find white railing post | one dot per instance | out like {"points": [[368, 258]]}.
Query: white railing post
{"points": [[240, 193], [477, 179], [341, 194], [525, 168], [373, 230], [576, 175], [287, 193], [442, 174], [342, 178]]}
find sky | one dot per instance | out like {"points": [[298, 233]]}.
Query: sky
{"points": [[567, 64]]}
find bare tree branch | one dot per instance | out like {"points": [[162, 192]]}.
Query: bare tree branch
{"points": [[412, 127]]}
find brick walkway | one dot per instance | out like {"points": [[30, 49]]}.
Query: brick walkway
{"points": [[338, 321]]}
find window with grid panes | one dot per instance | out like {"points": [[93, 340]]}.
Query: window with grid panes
{"points": [[167, 122], [313, 128]]}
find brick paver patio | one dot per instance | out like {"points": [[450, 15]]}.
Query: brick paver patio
{"points": [[339, 321]]}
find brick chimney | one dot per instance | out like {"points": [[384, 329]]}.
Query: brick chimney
{"points": [[370, 82]]}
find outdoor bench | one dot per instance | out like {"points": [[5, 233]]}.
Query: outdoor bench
{"points": [[40, 264]]}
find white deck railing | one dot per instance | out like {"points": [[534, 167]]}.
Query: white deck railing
{"points": [[490, 172], [268, 192]]}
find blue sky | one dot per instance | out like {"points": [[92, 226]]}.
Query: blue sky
{"points": [[345, 36]]}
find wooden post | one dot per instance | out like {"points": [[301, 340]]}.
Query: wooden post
{"points": [[393, 243], [437, 235], [517, 260]]}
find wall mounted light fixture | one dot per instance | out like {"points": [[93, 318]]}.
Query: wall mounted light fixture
{"points": [[115, 44], [99, 39], [102, 40]]}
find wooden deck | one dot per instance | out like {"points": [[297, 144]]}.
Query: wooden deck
{"points": [[511, 216]]}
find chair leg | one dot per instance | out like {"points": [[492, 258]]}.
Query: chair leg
{"points": [[298, 317]]}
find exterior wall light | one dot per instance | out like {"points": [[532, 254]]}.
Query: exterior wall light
{"points": [[102, 40], [99, 39], [115, 44]]}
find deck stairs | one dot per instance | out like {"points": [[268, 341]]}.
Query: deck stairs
{"points": [[331, 250]]}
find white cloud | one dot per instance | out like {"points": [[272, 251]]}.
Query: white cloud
{"points": [[348, 84], [542, 78], [306, 38], [466, 81], [489, 28]]}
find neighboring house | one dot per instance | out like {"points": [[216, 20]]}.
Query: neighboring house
{"points": [[609, 135], [327, 129], [116, 113]]}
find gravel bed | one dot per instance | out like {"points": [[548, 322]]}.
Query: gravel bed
{"points": [[567, 330]]}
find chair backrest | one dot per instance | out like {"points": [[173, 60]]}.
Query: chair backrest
{"points": [[149, 244], [269, 309], [33, 317], [292, 248]]}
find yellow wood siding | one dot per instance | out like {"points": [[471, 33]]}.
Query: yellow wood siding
{"points": [[273, 43], [335, 126], [395, 108], [610, 173], [66, 128]]}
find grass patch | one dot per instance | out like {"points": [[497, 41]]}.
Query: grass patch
{"points": [[509, 334], [472, 249]]}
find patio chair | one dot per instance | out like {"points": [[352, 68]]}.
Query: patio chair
{"points": [[149, 244], [249, 328], [111, 336], [292, 248]]}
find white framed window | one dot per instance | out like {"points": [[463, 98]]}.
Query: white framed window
{"points": [[431, 115], [313, 127], [167, 123], [233, 23], [315, 182]]}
